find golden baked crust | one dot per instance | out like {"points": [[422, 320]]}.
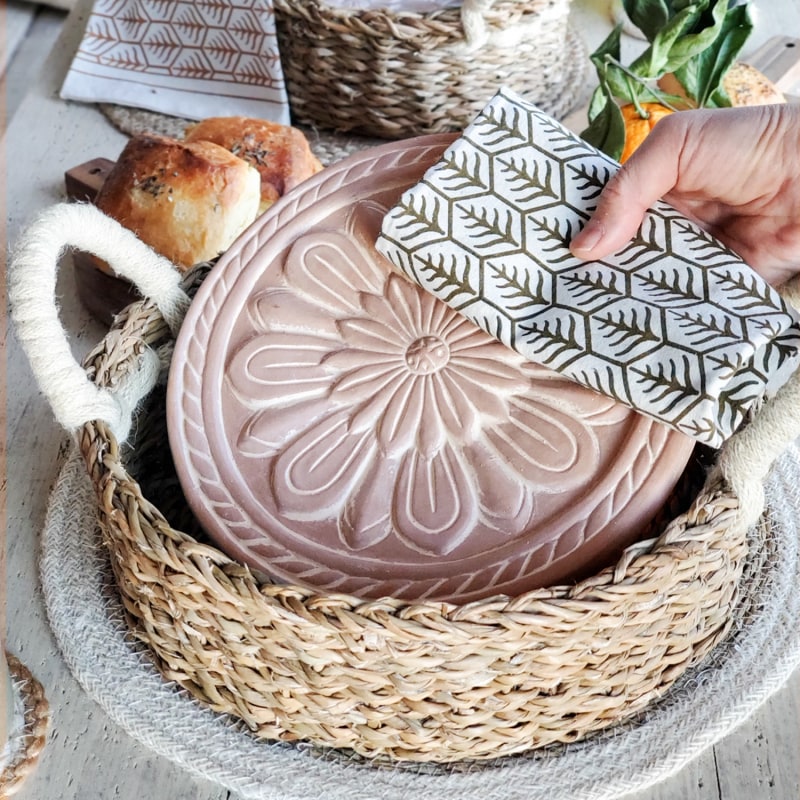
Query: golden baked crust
{"points": [[188, 201], [280, 153], [746, 86]]}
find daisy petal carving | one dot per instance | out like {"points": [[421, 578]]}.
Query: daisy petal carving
{"points": [[458, 414], [545, 446], [435, 504], [318, 470], [371, 335], [403, 408], [278, 368], [431, 436], [506, 505], [285, 310], [329, 272], [267, 431], [366, 519]]}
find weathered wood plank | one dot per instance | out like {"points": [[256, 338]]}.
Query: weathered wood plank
{"points": [[28, 55], [15, 19], [762, 758]]}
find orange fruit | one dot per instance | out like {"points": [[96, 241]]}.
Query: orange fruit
{"points": [[638, 127]]}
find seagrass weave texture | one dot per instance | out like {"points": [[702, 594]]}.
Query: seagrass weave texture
{"points": [[27, 740], [415, 681], [395, 75]]}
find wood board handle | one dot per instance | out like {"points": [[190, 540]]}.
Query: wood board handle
{"points": [[84, 181], [779, 59]]}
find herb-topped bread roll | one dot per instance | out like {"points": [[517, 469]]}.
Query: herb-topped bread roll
{"points": [[280, 153], [187, 200]]}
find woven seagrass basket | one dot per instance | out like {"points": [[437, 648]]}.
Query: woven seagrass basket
{"points": [[392, 679], [394, 75]]}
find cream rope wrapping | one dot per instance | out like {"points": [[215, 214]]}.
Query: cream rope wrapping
{"points": [[477, 34], [32, 282], [473, 23], [745, 460]]}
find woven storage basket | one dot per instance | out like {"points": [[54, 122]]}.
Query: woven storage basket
{"points": [[395, 75], [416, 681]]}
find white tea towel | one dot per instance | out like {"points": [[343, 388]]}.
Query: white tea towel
{"points": [[184, 58], [674, 325]]}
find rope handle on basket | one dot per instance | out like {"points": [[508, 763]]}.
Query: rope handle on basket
{"points": [[477, 34], [743, 462], [473, 23], [74, 398]]}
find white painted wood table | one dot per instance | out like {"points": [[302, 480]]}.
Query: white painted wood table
{"points": [[87, 756]]}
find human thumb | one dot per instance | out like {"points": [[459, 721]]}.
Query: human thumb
{"points": [[649, 174]]}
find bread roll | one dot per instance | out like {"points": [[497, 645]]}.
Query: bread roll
{"points": [[746, 86], [280, 153], [188, 201]]}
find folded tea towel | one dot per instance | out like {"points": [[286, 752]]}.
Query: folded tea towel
{"points": [[674, 325], [182, 58]]}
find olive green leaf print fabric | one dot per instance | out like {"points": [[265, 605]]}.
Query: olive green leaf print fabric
{"points": [[674, 325]]}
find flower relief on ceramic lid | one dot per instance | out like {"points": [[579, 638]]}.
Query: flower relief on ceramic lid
{"points": [[390, 421]]}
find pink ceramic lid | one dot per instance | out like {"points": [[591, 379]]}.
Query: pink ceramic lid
{"points": [[334, 425]]}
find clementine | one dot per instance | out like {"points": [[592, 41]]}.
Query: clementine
{"points": [[637, 127]]}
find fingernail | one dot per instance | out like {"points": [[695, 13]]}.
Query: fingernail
{"points": [[589, 237]]}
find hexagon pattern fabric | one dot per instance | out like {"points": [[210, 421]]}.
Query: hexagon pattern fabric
{"points": [[187, 58], [674, 325]]}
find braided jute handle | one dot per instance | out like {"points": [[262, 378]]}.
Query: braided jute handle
{"points": [[74, 398]]}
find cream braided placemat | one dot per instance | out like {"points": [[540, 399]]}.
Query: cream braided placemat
{"points": [[705, 705]]}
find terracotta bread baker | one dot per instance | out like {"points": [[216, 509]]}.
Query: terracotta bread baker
{"points": [[280, 153], [187, 200]]}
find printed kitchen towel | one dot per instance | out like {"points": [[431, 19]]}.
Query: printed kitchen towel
{"points": [[674, 325], [181, 57]]}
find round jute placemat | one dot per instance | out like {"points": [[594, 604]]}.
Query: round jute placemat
{"points": [[754, 661], [331, 146], [28, 730]]}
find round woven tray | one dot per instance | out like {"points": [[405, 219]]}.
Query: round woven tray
{"points": [[399, 74], [386, 679], [704, 705]]}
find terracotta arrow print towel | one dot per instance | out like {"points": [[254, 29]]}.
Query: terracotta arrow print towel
{"points": [[675, 325], [187, 58]]}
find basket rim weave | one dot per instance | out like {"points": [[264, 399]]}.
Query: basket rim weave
{"points": [[404, 24]]}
